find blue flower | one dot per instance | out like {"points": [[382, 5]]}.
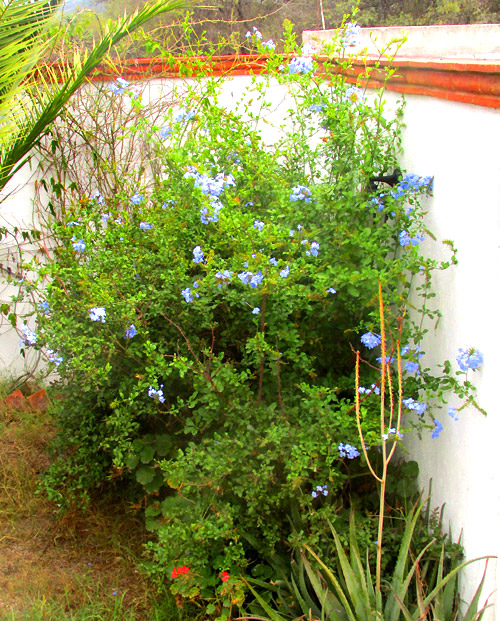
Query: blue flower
{"points": [[469, 358], [346, 450], [351, 35], [300, 193], [353, 94], [302, 64], [452, 412], [29, 337], [97, 197], [44, 307], [437, 429], [145, 226], [186, 293], [198, 255], [273, 261], [224, 275], [166, 131], [374, 388], [53, 356], [73, 223], [371, 340], [316, 107], [184, 116], [320, 490], [119, 90], [256, 310], [314, 248], [79, 246], [259, 225], [417, 407], [156, 394], [137, 199], [270, 44], [331, 290], [406, 240], [391, 433], [256, 33], [131, 331], [291, 233], [245, 277], [256, 279], [284, 272], [98, 313], [412, 367]]}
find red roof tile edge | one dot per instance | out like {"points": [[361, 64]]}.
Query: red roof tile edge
{"points": [[469, 81]]}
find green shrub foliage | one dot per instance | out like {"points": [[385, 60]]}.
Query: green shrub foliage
{"points": [[205, 296]]}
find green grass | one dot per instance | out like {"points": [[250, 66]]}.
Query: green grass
{"points": [[72, 568]]}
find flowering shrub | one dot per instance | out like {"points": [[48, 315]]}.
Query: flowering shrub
{"points": [[203, 316]]}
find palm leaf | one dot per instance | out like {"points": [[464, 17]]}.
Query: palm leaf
{"points": [[30, 105]]}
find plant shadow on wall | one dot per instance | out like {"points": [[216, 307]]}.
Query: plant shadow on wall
{"points": [[203, 307]]}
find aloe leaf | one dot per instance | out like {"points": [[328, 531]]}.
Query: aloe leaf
{"points": [[398, 586], [329, 603], [340, 591], [451, 576], [273, 615], [471, 613]]}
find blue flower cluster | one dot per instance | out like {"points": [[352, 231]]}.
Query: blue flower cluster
{"points": [[78, 246], [391, 433], [98, 313], [145, 226], [255, 33], [254, 280], [353, 94], [53, 356], [438, 428], [411, 184], [417, 407], [130, 332], [137, 199], [184, 116], [373, 388], [44, 307], [97, 197], [302, 64], [346, 450], [211, 187], [351, 34], [321, 490], [312, 249], [156, 394], [300, 193], [406, 240], [371, 340], [469, 359], [259, 225], [121, 87], [452, 412], [29, 337], [198, 255]]}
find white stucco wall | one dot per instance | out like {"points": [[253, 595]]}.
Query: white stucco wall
{"points": [[458, 144]]}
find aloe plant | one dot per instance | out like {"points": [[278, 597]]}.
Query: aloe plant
{"points": [[350, 592]]}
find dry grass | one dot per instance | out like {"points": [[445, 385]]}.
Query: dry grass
{"points": [[66, 564]]}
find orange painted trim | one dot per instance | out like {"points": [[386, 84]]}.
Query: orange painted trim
{"points": [[469, 81]]}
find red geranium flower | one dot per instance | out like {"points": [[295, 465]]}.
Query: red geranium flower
{"points": [[177, 571], [224, 576]]}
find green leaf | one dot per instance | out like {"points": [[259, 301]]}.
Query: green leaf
{"points": [[145, 474]]}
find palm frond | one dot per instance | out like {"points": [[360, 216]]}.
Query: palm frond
{"points": [[31, 104]]}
